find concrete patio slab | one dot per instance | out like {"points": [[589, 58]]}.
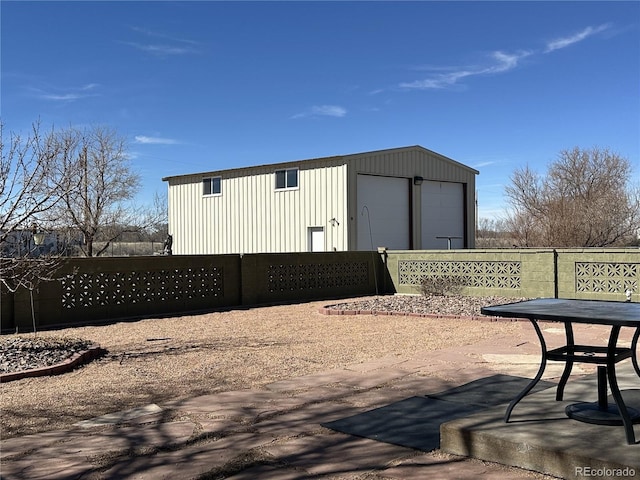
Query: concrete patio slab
{"points": [[188, 462], [448, 466], [542, 438], [489, 391], [120, 417], [276, 431], [335, 454], [413, 422]]}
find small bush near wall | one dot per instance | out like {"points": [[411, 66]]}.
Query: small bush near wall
{"points": [[441, 285]]}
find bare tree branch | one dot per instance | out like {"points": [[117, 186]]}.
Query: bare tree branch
{"points": [[28, 187]]}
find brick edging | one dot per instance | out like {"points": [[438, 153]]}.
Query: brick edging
{"points": [[327, 310], [66, 365]]}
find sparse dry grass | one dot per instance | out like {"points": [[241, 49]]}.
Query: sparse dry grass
{"points": [[160, 359]]}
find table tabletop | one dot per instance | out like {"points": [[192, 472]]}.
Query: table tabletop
{"points": [[603, 312]]}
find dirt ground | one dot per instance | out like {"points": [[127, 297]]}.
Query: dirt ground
{"points": [[155, 360]]}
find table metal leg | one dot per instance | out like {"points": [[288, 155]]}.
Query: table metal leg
{"points": [[568, 329], [603, 402], [543, 364], [634, 351], [615, 390]]}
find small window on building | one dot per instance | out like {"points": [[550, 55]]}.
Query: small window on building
{"points": [[287, 178], [212, 186]]}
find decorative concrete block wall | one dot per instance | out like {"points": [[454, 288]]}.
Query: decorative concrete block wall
{"points": [[511, 273], [107, 289], [598, 274], [279, 277], [94, 289], [602, 274]]}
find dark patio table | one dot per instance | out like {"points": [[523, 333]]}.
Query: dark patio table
{"points": [[595, 312]]}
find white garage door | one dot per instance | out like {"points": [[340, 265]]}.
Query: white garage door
{"points": [[386, 199], [442, 214]]}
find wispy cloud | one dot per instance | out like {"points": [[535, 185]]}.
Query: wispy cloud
{"points": [[161, 50], [564, 42], [497, 62], [484, 164], [436, 81], [68, 94], [322, 111], [155, 140], [151, 33], [170, 45]]}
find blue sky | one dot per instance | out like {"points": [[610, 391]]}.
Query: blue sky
{"points": [[200, 86]]}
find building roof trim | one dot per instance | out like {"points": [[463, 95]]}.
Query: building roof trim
{"points": [[310, 161]]}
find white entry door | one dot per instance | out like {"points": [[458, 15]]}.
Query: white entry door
{"points": [[316, 239]]}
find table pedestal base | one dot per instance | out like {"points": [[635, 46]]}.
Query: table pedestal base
{"points": [[594, 413]]}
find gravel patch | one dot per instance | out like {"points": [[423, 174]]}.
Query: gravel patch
{"points": [[433, 304], [19, 353]]}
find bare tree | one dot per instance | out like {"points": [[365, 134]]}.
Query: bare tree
{"points": [[30, 188], [585, 200], [101, 207]]}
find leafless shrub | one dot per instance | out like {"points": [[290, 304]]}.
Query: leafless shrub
{"points": [[441, 285]]}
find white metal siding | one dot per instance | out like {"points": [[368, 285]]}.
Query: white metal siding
{"points": [[252, 216]]}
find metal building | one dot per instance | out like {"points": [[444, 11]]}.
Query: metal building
{"points": [[402, 198]]}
